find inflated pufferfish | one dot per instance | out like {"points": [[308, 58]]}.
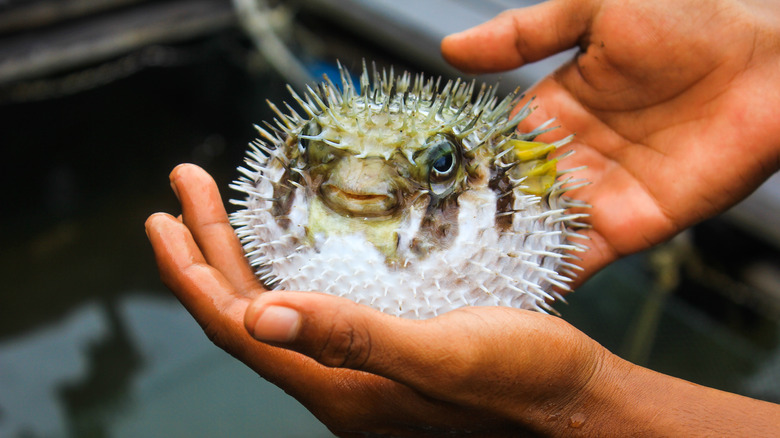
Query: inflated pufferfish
{"points": [[409, 198]]}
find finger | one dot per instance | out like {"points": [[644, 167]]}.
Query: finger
{"points": [[205, 216], [204, 291], [334, 331], [339, 333], [220, 310], [421, 354], [214, 303], [519, 36]]}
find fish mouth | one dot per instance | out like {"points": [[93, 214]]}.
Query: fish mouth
{"points": [[362, 204]]}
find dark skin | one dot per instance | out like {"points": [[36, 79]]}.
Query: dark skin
{"points": [[673, 105], [675, 108]]}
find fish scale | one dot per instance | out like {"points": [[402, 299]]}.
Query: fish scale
{"points": [[409, 198]]}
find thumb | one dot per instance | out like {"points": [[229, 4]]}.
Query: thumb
{"points": [[444, 357], [519, 36], [337, 332]]}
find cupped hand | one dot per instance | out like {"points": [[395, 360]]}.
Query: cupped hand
{"points": [[674, 103], [482, 371]]}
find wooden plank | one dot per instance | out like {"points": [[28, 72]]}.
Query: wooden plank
{"points": [[30, 14], [94, 39]]}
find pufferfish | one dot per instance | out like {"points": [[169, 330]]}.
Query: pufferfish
{"points": [[409, 197]]}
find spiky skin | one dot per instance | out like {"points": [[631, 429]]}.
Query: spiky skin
{"points": [[411, 199]]}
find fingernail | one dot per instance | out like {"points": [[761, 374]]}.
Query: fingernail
{"points": [[276, 324]]}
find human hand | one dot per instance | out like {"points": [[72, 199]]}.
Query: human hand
{"points": [[675, 105], [483, 371]]}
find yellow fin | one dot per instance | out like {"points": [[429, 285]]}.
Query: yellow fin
{"points": [[531, 150], [533, 165]]}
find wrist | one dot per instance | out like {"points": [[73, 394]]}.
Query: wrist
{"points": [[586, 404], [623, 399], [567, 397], [610, 397]]}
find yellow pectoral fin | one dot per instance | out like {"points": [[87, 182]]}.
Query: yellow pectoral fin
{"points": [[533, 165], [531, 150], [541, 177]]}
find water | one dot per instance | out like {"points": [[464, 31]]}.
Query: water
{"points": [[91, 343]]}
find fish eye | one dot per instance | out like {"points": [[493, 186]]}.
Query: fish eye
{"points": [[443, 162], [443, 165]]}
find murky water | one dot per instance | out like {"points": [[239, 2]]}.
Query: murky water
{"points": [[92, 345]]}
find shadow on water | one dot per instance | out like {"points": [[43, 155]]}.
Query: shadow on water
{"points": [[113, 362]]}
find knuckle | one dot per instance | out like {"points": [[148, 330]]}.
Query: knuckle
{"points": [[345, 346]]}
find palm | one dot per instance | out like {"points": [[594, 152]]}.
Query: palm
{"points": [[671, 127]]}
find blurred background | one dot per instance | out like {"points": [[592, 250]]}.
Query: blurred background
{"points": [[100, 99]]}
